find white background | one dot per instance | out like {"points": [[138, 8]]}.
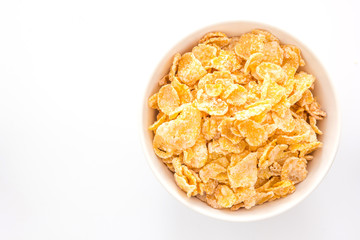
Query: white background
{"points": [[71, 78]]}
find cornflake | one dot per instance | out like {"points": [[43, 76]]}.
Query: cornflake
{"points": [[237, 119]]}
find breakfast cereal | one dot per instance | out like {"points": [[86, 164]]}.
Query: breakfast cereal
{"points": [[237, 119]]}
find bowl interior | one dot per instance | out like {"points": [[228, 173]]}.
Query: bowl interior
{"points": [[317, 168]]}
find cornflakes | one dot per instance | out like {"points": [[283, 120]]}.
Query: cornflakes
{"points": [[210, 127], [238, 96], [253, 110], [215, 150], [205, 53], [211, 105], [197, 155], [303, 82], [164, 80], [182, 132], [225, 197], [153, 101], [186, 179], [237, 120], [210, 186], [312, 121], [314, 110], [190, 69], [273, 53], [282, 188], [174, 66], [215, 38], [211, 170], [285, 123], [273, 71], [168, 99], [241, 78], [255, 134], [274, 92], [268, 36], [156, 124], [226, 61], [225, 130], [264, 158], [214, 90], [294, 169], [230, 147], [211, 201], [249, 44], [305, 148], [245, 196], [182, 90], [244, 173], [253, 61]]}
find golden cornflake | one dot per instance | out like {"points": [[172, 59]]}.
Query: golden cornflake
{"points": [[244, 173], [210, 35], [273, 53], [272, 71], [210, 171], [225, 130], [156, 124], [282, 189], [312, 121], [226, 61], [253, 110], [249, 44], [214, 90], [197, 155], [238, 96], [205, 53], [210, 186], [230, 147], [225, 197], [268, 36], [303, 82], [253, 61], [181, 133], [174, 66], [190, 69], [294, 169], [215, 38], [186, 179], [305, 148], [182, 90], [274, 92], [153, 101], [211, 105], [246, 197], [210, 127], [285, 123], [254, 132]]}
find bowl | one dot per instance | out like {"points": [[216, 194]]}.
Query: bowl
{"points": [[317, 168]]}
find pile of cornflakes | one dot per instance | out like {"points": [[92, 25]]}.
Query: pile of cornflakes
{"points": [[236, 119]]}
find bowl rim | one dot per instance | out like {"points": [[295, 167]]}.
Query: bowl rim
{"points": [[279, 210]]}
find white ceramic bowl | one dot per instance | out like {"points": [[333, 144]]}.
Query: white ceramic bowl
{"points": [[323, 158]]}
